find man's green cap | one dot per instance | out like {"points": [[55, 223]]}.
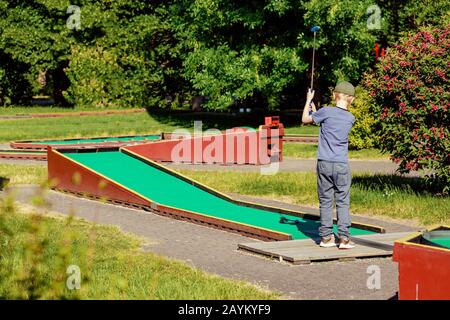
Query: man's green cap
{"points": [[345, 87]]}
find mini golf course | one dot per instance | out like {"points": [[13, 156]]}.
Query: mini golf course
{"points": [[439, 238], [133, 180], [124, 171], [83, 142], [36, 149], [130, 176], [102, 140], [443, 242]]}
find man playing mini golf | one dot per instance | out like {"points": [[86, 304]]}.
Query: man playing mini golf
{"points": [[333, 173]]}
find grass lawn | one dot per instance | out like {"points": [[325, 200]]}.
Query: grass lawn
{"points": [[36, 250], [77, 127], [309, 151], [120, 124], [21, 110], [303, 129], [24, 174]]}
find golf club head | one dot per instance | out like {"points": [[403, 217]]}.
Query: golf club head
{"points": [[315, 29]]}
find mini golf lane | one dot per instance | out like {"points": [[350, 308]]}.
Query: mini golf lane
{"points": [[99, 140], [444, 242], [22, 155], [21, 152], [169, 190], [440, 238]]}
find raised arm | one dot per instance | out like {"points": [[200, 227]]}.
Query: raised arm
{"points": [[309, 106]]}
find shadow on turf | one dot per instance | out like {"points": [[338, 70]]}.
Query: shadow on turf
{"points": [[220, 120], [396, 182], [309, 228]]}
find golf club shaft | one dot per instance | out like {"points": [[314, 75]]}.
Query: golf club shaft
{"points": [[313, 58], [372, 244]]}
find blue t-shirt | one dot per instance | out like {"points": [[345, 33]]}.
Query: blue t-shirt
{"points": [[335, 125]]}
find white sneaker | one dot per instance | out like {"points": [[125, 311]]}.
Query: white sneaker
{"points": [[346, 243], [328, 242]]}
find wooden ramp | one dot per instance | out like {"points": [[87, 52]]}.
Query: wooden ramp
{"points": [[308, 250]]}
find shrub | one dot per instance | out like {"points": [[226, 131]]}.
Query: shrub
{"points": [[34, 260], [98, 78], [411, 91], [94, 74], [363, 134]]}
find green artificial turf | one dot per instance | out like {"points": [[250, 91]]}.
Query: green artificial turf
{"points": [[441, 238], [168, 190], [445, 242], [101, 140], [438, 238]]}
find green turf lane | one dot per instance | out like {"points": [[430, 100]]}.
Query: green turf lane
{"points": [[169, 190], [438, 237], [100, 140], [443, 242]]}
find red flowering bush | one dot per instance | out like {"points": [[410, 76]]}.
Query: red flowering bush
{"points": [[411, 90]]}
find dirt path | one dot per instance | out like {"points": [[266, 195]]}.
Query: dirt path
{"points": [[215, 251]]}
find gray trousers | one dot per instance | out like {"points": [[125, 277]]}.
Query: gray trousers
{"points": [[333, 185]]}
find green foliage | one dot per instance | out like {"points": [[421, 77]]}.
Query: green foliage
{"points": [[33, 260], [261, 50], [33, 40], [411, 91], [407, 16], [364, 133], [6, 90], [157, 53], [344, 42], [124, 69], [36, 250], [225, 75], [95, 76], [99, 79], [115, 59], [229, 54]]}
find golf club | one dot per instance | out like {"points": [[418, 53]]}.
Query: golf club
{"points": [[314, 29]]}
